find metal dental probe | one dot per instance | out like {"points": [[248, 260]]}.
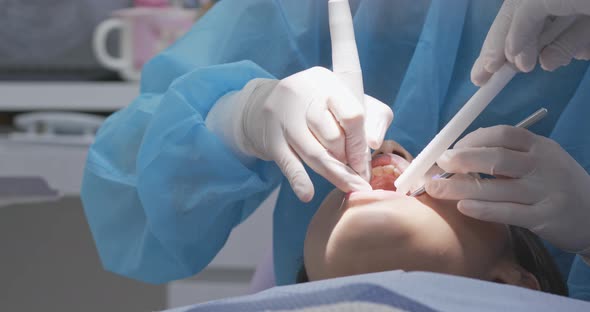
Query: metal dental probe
{"points": [[468, 113], [527, 122]]}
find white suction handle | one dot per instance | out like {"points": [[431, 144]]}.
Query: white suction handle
{"points": [[443, 140], [345, 58], [478, 102]]}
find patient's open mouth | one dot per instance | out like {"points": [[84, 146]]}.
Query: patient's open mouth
{"points": [[386, 168]]}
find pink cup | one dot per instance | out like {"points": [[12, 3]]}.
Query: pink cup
{"points": [[143, 33]]}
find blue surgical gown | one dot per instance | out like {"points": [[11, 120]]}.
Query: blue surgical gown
{"points": [[162, 193]]}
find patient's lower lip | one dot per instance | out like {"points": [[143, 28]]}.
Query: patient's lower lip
{"points": [[371, 196]]}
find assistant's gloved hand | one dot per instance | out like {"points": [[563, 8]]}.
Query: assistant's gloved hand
{"points": [[309, 117], [539, 186], [523, 26]]}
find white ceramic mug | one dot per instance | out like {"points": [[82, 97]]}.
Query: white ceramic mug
{"points": [[143, 33]]}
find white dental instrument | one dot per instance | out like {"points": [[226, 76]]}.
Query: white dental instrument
{"points": [[467, 114], [451, 132], [527, 122], [345, 58]]}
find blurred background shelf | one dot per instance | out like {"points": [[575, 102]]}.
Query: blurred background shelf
{"points": [[55, 251], [70, 96], [50, 76]]}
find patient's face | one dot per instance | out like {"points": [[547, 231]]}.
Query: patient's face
{"points": [[383, 230]]}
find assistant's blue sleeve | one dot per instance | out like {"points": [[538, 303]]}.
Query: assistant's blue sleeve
{"points": [[579, 280], [160, 191]]}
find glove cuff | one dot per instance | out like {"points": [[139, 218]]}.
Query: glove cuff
{"points": [[227, 117], [252, 96]]}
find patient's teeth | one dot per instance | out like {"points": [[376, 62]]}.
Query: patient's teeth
{"points": [[385, 170], [389, 169], [377, 171]]}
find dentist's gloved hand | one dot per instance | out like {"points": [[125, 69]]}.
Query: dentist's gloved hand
{"points": [[518, 32], [539, 186], [310, 117]]}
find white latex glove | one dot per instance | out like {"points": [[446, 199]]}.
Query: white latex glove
{"points": [[539, 186], [522, 28], [310, 117]]}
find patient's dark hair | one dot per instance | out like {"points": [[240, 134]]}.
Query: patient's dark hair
{"points": [[532, 255], [529, 252]]}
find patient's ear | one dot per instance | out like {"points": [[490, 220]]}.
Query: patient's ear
{"points": [[509, 272]]}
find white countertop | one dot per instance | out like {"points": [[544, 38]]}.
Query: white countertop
{"points": [[70, 96]]}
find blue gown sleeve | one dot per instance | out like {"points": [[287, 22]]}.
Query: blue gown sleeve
{"points": [[579, 280], [160, 191]]}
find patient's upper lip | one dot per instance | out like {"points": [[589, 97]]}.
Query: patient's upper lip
{"points": [[390, 159]]}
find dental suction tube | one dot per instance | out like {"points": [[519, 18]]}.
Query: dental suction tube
{"points": [[346, 64], [345, 59], [476, 104], [414, 174]]}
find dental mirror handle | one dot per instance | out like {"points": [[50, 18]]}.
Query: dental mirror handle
{"points": [[527, 122]]}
